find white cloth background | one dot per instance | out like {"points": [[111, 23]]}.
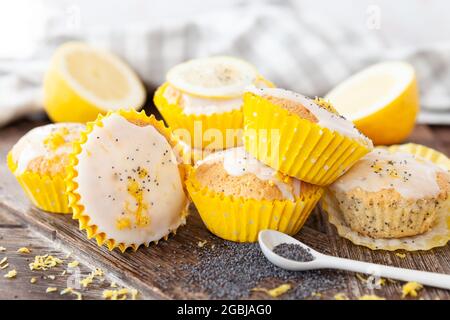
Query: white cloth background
{"points": [[307, 46]]}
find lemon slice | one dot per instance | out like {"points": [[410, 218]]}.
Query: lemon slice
{"points": [[381, 100], [83, 81], [214, 77]]}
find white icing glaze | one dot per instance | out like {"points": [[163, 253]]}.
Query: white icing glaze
{"points": [[32, 145], [197, 105], [325, 118], [237, 162], [111, 158], [409, 175]]}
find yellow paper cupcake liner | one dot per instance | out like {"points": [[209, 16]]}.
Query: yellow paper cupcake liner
{"points": [[294, 146], [198, 125], [438, 236], [45, 192], [92, 230], [240, 219]]}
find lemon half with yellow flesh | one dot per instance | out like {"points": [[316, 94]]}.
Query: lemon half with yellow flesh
{"points": [[83, 81], [382, 101]]}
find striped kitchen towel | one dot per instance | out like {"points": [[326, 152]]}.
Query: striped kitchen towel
{"points": [[294, 49]]}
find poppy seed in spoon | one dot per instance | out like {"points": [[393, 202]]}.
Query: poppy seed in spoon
{"points": [[294, 252]]}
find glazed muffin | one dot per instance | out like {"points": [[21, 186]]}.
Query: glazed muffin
{"points": [[202, 100], [300, 137], [237, 196], [125, 183], [392, 194], [39, 161]]}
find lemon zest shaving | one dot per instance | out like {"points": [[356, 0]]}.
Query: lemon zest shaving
{"points": [[4, 266], [72, 291], [51, 289], [73, 264], [275, 292], [400, 255], [340, 296], [88, 280], [33, 280], [11, 274], [23, 250], [200, 244], [3, 260], [411, 289], [120, 294], [371, 297], [44, 262]]}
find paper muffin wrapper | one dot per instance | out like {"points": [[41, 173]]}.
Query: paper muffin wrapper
{"points": [[177, 120], [437, 236], [240, 219], [45, 192], [294, 146], [92, 230]]}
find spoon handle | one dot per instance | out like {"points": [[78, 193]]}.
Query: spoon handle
{"points": [[432, 279]]}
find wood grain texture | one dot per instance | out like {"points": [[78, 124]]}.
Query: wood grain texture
{"points": [[153, 271]]}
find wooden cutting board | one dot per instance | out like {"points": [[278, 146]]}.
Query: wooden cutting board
{"points": [[152, 271]]}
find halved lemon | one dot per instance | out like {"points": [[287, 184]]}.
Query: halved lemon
{"points": [[382, 101], [214, 77], [83, 81]]}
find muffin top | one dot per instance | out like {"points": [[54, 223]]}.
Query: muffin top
{"points": [[317, 111], [234, 172], [129, 181], [396, 174], [46, 149]]}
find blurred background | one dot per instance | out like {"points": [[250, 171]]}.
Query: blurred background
{"points": [[306, 45]]}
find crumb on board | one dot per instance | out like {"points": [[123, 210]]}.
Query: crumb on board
{"points": [[44, 262], [11, 274], [275, 292], [316, 294], [2, 249], [51, 289], [6, 265], [33, 280], [411, 289], [113, 285], [3, 260], [51, 277], [23, 250]]}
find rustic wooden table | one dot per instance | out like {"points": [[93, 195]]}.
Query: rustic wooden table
{"points": [[151, 270]]}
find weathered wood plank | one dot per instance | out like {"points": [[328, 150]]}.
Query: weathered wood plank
{"points": [[153, 270]]}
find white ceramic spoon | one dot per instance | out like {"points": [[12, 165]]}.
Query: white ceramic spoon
{"points": [[268, 239]]}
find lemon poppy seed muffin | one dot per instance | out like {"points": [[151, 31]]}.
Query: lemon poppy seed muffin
{"points": [[392, 194], [127, 181], [46, 149], [234, 172], [39, 161], [300, 137], [237, 196], [204, 97]]}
